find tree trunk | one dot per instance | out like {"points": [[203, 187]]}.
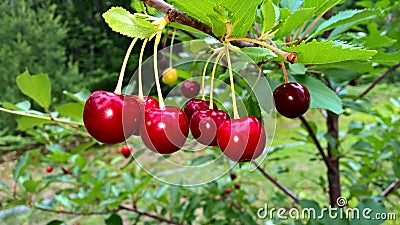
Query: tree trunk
{"points": [[333, 172]]}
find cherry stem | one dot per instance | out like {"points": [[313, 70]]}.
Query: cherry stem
{"points": [[140, 94], [160, 97], [284, 72], [20, 113], [287, 55], [171, 48], [212, 79], [228, 58], [258, 78], [118, 88], [204, 75]]}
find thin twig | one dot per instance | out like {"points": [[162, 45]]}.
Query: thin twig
{"points": [[391, 187], [276, 183], [120, 207], [377, 80], [143, 213], [21, 113], [76, 213], [316, 142]]}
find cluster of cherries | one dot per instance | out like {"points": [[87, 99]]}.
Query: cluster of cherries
{"points": [[111, 118]]}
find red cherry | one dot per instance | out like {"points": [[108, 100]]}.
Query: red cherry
{"points": [[292, 99], [164, 130], [111, 118], [237, 186], [190, 89], [233, 176], [49, 169], [196, 104], [204, 125], [125, 151], [228, 191], [148, 103], [243, 139]]}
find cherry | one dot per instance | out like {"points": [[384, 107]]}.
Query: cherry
{"points": [[164, 130], [228, 191], [104, 120], [292, 99], [241, 140], [170, 76], [237, 186], [148, 103], [49, 169], [204, 124], [196, 104], [233, 176], [125, 151], [190, 89]]}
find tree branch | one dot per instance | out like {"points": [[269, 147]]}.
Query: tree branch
{"points": [[277, 184], [377, 80], [174, 15], [391, 187], [120, 207], [142, 213], [316, 142]]}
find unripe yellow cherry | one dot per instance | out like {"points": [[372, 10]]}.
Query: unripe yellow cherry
{"points": [[170, 76]]}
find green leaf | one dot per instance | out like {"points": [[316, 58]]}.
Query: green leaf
{"points": [[138, 6], [72, 109], [82, 147], [55, 222], [321, 6], [370, 208], [37, 87], [81, 96], [340, 75], [26, 122], [387, 58], [21, 165], [241, 13], [322, 97], [201, 160], [24, 105], [219, 17], [5, 189], [295, 20], [298, 69], [78, 161], [123, 22], [396, 168], [268, 15], [258, 54], [114, 219], [31, 186], [347, 17], [320, 52]]}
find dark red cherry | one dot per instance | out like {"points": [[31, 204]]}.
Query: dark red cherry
{"points": [[190, 89], [164, 130], [125, 151], [49, 169], [237, 186], [204, 125], [227, 191], [148, 103], [111, 118], [241, 140], [196, 104], [292, 99]]}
